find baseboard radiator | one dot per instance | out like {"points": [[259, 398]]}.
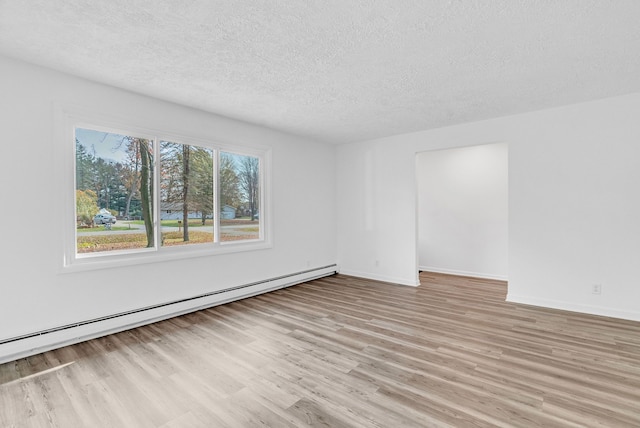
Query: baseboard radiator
{"points": [[25, 345]]}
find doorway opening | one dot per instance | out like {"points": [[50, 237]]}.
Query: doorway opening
{"points": [[462, 211]]}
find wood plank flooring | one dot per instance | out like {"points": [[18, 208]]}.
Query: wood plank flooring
{"points": [[343, 352]]}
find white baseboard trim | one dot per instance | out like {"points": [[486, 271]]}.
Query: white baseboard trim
{"points": [[14, 348], [572, 307], [463, 273], [383, 278]]}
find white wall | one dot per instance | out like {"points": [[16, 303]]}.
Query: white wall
{"points": [[35, 296], [574, 204], [462, 211]]}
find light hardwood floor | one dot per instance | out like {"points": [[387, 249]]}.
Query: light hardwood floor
{"points": [[343, 352]]}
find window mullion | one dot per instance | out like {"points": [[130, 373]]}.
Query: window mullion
{"points": [[216, 198], [157, 228]]}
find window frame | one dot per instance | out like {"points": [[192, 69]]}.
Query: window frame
{"points": [[67, 119]]}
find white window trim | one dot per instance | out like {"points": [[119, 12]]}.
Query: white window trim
{"points": [[67, 118]]}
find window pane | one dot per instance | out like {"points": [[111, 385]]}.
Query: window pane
{"points": [[239, 197], [114, 192], [186, 194]]}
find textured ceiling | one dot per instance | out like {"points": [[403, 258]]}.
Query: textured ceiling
{"points": [[339, 70]]}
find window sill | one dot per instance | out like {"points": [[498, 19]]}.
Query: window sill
{"points": [[90, 262]]}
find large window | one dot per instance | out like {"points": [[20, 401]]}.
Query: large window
{"points": [[138, 193]]}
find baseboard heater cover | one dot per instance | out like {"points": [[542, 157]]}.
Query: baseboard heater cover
{"points": [[146, 314]]}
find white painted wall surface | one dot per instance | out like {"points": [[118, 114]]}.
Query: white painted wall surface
{"points": [[463, 212], [33, 294], [574, 204]]}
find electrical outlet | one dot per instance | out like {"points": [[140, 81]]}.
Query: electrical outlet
{"points": [[596, 288], [377, 263]]}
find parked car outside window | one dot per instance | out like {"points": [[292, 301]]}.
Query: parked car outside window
{"points": [[104, 219]]}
